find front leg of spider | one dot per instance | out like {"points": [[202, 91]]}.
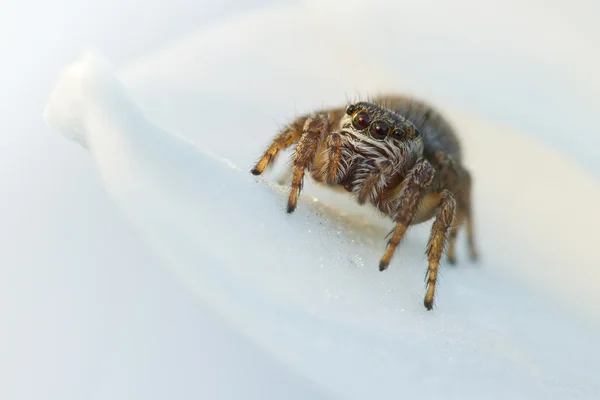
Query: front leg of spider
{"points": [[284, 139], [375, 181], [334, 158], [315, 128], [413, 188]]}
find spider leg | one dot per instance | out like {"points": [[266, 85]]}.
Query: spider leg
{"points": [[375, 181], [437, 240], [464, 216], [315, 128], [466, 205], [458, 180], [334, 157], [333, 168], [288, 136], [460, 216], [414, 186]]}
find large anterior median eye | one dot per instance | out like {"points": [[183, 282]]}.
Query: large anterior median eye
{"points": [[379, 130], [361, 120]]}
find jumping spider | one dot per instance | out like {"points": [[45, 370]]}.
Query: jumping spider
{"points": [[395, 152]]}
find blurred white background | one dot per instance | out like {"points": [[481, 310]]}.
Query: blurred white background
{"points": [[86, 309], [86, 312]]}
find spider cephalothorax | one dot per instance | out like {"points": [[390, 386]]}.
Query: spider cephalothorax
{"points": [[394, 152]]}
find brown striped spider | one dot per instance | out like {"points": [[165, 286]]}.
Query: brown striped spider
{"points": [[395, 152]]}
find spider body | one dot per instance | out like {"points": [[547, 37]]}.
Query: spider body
{"points": [[395, 152]]}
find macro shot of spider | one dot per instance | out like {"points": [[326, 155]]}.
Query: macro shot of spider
{"points": [[395, 152]]}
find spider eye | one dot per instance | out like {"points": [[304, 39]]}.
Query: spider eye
{"points": [[406, 132], [397, 133], [361, 120], [411, 131], [379, 130], [350, 109]]}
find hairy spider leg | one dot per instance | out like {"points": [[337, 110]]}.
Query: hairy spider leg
{"points": [[315, 128], [334, 157], [437, 241], [375, 182], [458, 180], [409, 198], [466, 204], [459, 220], [288, 136]]}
